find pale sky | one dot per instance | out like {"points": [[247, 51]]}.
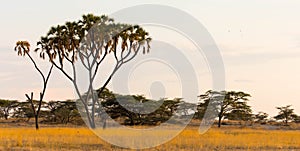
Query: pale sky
{"points": [[259, 42]]}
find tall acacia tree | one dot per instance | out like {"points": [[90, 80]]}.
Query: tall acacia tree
{"points": [[23, 49], [90, 41]]}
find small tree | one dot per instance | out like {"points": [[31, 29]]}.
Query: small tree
{"points": [[6, 107], [52, 106], [23, 110], [286, 114], [67, 112], [23, 49], [261, 117], [186, 109], [296, 118]]}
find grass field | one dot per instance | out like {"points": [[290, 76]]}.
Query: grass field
{"points": [[189, 139]]}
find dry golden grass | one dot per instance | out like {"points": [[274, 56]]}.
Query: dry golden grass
{"points": [[189, 139]]}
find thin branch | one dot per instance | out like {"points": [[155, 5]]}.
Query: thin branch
{"points": [[98, 53], [129, 52], [135, 53], [42, 94], [30, 99], [117, 66], [62, 70], [115, 48], [81, 58], [49, 73], [91, 44], [98, 64], [67, 58], [35, 65]]}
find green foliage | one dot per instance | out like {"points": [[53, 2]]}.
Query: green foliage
{"points": [[286, 114], [23, 110], [261, 117], [66, 112], [6, 108], [240, 111], [225, 104], [296, 118], [130, 109], [100, 34]]}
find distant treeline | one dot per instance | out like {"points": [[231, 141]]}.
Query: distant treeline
{"points": [[138, 110]]}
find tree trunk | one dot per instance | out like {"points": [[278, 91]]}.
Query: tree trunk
{"points": [[219, 122], [6, 117], [90, 119], [36, 117], [104, 124], [92, 123], [131, 119], [131, 122], [93, 126]]}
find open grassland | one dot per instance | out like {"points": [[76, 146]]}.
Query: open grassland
{"points": [[189, 139]]}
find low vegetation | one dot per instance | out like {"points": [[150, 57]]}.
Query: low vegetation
{"points": [[234, 108], [189, 139]]}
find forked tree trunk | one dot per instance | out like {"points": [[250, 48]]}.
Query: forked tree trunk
{"points": [[91, 120]]}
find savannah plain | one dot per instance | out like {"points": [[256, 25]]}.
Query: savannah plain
{"points": [[39, 125], [23, 137]]}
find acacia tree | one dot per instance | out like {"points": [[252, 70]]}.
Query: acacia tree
{"points": [[209, 103], [296, 118], [6, 106], [23, 49], [261, 117], [286, 114], [223, 103], [23, 110], [91, 40], [240, 111]]}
